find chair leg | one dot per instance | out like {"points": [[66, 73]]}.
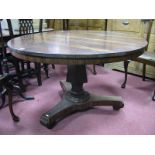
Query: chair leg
{"points": [[28, 65], [94, 70], [22, 66], [38, 73], [2, 102], [1, 69], [144, 71], [20, 80], [46, 69], [14, 117], [53, 66], [153, 97], [126, 63], [29, 69], [6, 68], [2, 95]]}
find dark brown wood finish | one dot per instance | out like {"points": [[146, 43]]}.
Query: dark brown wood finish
{"points": [[26, 26], [9, 82], [76, 49]]}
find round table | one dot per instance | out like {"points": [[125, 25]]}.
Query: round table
{"points": [[77, 48]]}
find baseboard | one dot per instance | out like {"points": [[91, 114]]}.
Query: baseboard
{"points": [[131, 70], [134, 74]]}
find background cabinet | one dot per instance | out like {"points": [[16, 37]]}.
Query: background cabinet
{"points": [[79, 24], [136, 27], [87, 24]]}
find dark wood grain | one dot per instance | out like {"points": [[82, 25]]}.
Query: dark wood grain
{"points": [[77, 47]]}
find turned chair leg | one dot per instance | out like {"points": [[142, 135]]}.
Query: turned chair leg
{"points": [[28, 65], [144, 71], [18, 72], [38, 73], [46, 69], [94, 70], [14, 117], [22, 66], [126, 63], [53, 66]]}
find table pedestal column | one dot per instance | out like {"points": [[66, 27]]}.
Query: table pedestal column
{"points": [[75, 98]]}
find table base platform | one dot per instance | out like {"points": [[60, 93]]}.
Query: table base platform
{"points": [[71, 104]]}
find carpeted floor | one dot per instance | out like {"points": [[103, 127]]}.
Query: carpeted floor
{"points": [[137, 116]]}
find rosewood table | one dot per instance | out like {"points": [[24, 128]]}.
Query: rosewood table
{"points": [[77, 48]]}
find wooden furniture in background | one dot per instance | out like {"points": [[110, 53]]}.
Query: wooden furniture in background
{"points": [[77, 49], [26, 27], [7, 57], [87, 24], [147, 58], [132, 27], [8, 81]]}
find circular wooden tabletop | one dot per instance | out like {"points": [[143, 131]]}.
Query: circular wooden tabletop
{"points": [[77, 47]]}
